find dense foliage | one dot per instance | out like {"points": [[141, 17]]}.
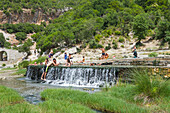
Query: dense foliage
{"points": [[22, 27], [3, 42], [26, 46], [47, 6], [91, 20]]}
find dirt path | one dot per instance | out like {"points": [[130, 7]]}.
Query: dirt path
{"points": [[8, 74]]}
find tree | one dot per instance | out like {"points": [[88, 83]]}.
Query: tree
{"points": [[26, 47], [21, 36], [162, 31], [2, 40], [141, 25]]}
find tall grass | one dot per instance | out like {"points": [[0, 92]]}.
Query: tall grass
{"points": [[20, 71], [151, 86], [60, 106], [95, 101], [9, 96]]}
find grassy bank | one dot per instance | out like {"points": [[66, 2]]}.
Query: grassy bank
{"points": [[20, 71], [12, 102], [117, 99], [148, 93]]}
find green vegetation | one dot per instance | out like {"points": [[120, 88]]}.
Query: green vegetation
{"points": [[150, 86], [20, 72], [9, 68], [3, 42], [96, 101], [153, 54], [26, 46], [64, 107], [89, 21], [3, 65], [12, 102], [148, 93], [115, 44], [21, 36], [22, 27], [93, 44], [23, 64], [39, 60], [121, 39]]}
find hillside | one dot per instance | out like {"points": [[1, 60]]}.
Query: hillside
{"points": [[93, 24]]}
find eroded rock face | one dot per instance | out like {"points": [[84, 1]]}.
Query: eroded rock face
{"points": [[27, 16]]}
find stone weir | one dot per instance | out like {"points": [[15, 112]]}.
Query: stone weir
{"points": [[85, 76]]}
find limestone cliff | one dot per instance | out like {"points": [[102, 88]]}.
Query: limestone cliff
{"points": [[27, 16]]}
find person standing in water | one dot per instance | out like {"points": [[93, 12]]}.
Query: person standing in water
{"points": [[44, 73], [54, 63]]}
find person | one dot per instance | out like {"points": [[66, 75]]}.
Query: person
{"points": [[35, 63], [44, 73], [35, 51], [82, 60], [51, 54], [103, 53], [135, 52], [106, 56], [54, 63], [68, 61], [65, 56]]}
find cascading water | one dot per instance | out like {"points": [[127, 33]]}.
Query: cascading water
{"points": [[74, 76]]}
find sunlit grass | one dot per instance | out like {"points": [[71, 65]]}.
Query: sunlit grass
{"points": [[20, 71], [60, 106], [9, 68], [95, 101]]}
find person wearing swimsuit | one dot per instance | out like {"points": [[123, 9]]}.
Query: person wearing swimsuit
{"points": [[68, 61], [103, 53], [44, 73]]}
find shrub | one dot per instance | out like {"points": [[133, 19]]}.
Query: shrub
{"points": [[122, 46], [3, 65], [117, 33], [107, 47], [23, 64], [114, 41], [10, 30], [84, 45], [150, 86], [93, 45], [98, 37], [115, 46], [40, 59], [109, 32], [121, 39], [153, 54], [21, 36]]}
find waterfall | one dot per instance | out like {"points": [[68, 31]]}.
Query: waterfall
{"points": [[74, 76]]}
